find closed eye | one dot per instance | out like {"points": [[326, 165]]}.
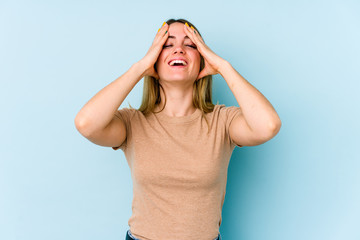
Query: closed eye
{"points": [[192, 46]]}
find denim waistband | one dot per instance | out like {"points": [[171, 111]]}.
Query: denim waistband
{"points": [[129, 236]]}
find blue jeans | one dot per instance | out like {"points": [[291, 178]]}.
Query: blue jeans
{"points": [[129, 236]]}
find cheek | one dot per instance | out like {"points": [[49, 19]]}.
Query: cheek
{"points": [[161, 58], [161, 55], [198, 61]]}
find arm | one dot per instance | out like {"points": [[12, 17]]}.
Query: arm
{"points": [[259, 121], [96, 120]]}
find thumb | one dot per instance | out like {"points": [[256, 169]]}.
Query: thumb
{"points": [[153, 72], [201, 74], [156, 76]]}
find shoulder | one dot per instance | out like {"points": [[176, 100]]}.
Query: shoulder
{"points": [[226, 111], [223, 114], [127, 113]]}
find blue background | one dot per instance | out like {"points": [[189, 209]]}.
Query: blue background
{"points": [[302, 55]]}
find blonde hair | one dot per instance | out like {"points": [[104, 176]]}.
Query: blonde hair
{"points": [[202, 91]]}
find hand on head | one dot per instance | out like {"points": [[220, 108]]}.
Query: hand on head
{"points": [[212, 61], [154, 51]]}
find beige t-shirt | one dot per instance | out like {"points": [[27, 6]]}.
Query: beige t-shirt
{"points": [[179, 172]]}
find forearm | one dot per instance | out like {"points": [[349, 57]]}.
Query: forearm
{"points": [[258, 112], [97, 113]]}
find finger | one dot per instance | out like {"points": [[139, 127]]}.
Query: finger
{"points": [[193, 34], [189, 33], [162, 35], [194, 37], [162, 26], [162, 29], [192, 29]]}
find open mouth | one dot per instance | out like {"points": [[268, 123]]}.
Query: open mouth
{"points": [[178, 63]]}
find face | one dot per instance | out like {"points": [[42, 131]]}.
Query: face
{"points": [[178, 46]]}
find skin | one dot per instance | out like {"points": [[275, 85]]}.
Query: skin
{"points": [[178, 82], [257, 123], [177, 45]]}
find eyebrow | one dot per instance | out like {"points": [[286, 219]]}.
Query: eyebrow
{"points": [[175, 37]]}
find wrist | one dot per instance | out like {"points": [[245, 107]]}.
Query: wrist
{"points": [[223, 67], [140, 68]]}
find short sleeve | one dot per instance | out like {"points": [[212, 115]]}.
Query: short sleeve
{"points": [[230, 114], [125, 115]]}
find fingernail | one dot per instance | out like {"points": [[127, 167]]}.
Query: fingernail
{"points": [[187, 24], [192, 27], [166, 32], [162, 26]]}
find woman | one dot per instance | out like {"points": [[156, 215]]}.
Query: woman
{"points": [[178, 144]]}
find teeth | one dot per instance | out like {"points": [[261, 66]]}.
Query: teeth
{"points": [[178, 61]]}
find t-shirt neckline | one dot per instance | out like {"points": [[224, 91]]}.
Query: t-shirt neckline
{"points": [[183, 119]]}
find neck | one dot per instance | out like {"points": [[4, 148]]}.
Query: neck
{"points": [[179, 100]]}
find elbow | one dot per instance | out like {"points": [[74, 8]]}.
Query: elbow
{"points": [[81, 125], [270, 131], [274, 127]]}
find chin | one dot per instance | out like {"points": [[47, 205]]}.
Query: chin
{"points": [[177, 77]]}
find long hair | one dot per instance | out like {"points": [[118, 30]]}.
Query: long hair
{"points": [[202, 91]]}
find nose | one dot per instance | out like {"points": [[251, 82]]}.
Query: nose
{"points": [[178, 49]]}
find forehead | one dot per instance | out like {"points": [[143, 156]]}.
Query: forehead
{"points": [[177, 30]]}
